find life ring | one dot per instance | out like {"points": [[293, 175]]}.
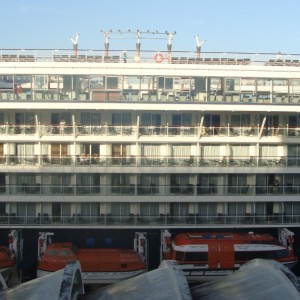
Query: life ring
{"points": [[158, 57]]}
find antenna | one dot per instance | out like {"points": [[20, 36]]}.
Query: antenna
{"points": [[199, 45], [75, 43], [198, 42], [75, 40]]}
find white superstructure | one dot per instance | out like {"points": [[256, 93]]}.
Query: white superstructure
{"points": [[95, 140]]}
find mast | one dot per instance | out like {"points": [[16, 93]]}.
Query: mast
{"points": [[138, 46], [106, 43], [169, 45], [198, 46], [75, 43]]}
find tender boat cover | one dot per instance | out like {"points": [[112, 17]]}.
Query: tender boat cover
{"points": [[258, 279], [167, 282], [65, 284]]}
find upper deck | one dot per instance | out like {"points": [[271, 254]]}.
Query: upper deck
{"points": [[149, 56], [174, 78], [145, 61]]}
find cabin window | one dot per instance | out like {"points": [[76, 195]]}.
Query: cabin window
{"points": [[293, 151], [65, 252], [248, 85], [280, 85], [131, 82], [165, 83], [59, 252], [113, 83], [281, 253], [97, 82], [196, 256], [124, 119], [263, 84], [248, 255], [240, 256], [90, 118], [294, 85], [6, 82], [149, 119], [51, 252], [233, 85], [179, 255]]}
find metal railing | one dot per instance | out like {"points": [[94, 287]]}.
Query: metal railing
{"points": [[96, 160], [246, 219], [147, 56], [150, 190], [147, 131]]}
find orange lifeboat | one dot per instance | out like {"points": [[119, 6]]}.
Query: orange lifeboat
{"points": [[7, 259], [203, 256], [99, 265]]}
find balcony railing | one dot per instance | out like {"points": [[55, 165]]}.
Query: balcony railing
{"points": [[147, 131], [188, 189], [95, 160], [108, 219]]}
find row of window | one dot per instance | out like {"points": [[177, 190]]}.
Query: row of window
{"points": [[173, 119], [91, 87], [150, 184], [118, 213], [150, 154], [239, 256], [110, 82]]}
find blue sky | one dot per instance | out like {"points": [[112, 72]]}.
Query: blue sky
{"points": [[232, 25]]}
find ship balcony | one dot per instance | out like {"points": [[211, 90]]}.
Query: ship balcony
{"points": [[132, 220], [137, 190], [149, 131], [96, 160]]}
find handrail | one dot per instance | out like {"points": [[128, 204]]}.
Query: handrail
{"points": [[149, 130], [129, 189], [191, 161], [108, 219], [182, 57]]}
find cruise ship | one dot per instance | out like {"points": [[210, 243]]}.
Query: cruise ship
{"points": [[149, 139]]}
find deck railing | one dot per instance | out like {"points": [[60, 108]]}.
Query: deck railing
{"points": [[137, 190], [150, 130], [146, 56], [189, 220], [191, 161]]}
